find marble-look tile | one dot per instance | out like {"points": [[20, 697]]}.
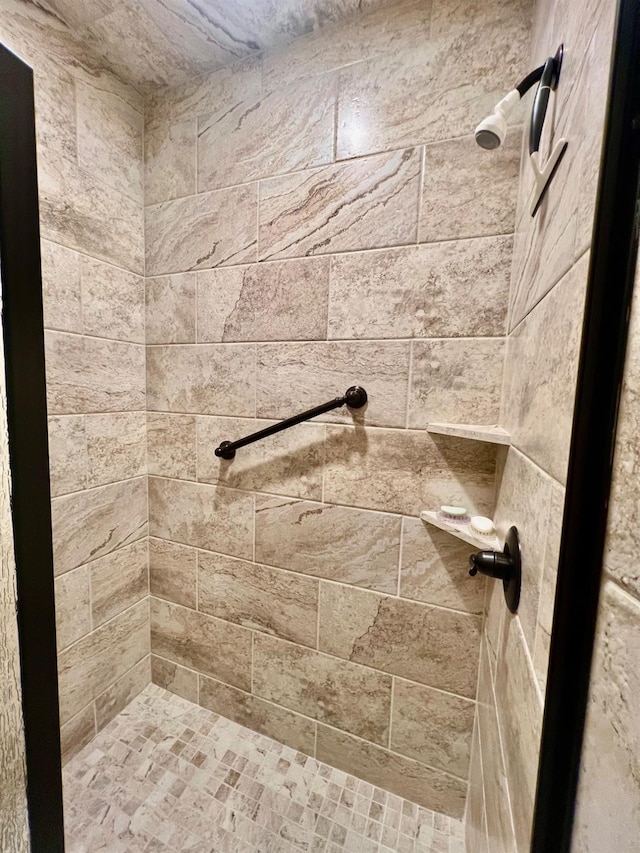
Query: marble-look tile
{"points": [[468, 191], [170, 161], [55, 103], [427, 644], [171, 445], [432, 727], [209, 517], [288, 463], [110, 140], [61, 290], [121, 692], [275, 133], [173, 573], [292, 377], [260, 716], [541, 367], [203, 379], [118, 580], [362, 204], [95, 522], [607, 805], [202, 231], [171, 309], [334, 542], [279, 301], [406, 471], [112, 302], [67, 454], [434, 568], [422, 291], [116, 447], [90, 666], [200, 642], [81, 212], [475, 821], [91, 375], [351, 697], [456, 381], [403, 776], [548, 584], [77, 733], [179, 680], [519, 706], [258, 597], [73, 606]]}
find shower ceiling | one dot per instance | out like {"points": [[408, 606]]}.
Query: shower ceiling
{"points": [[153, 43]]}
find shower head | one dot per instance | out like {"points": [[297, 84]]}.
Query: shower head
{"points": [[492, 131]]}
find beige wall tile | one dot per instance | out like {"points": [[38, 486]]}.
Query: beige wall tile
{"points": [[209, 517], [67, 454], [548, 584], [87, 668], [285, 130], [475, 822], [421, 291], [55, 100], [116, 447], [403, 776], [202, 643], [112, 302], [73, 606], [173, 572], [90, 524], [123, 691], [282, 725], [427, 644], [352, 697], [467, 191], [258, 597], [78, 732], [119, 580], [203, 231], [358, 205], [202, 379], [171, 309], [169, 160], [407, 471], [432, 727], [292, 377], [171, 445], [279, 301], [177, 679], [91, 375], [338, 543], [289, 463], [434, 568], [61, 287], [456, 381]]}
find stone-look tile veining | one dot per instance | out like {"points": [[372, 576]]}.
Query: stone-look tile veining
{"points": [[170, 309], [170, 161]]}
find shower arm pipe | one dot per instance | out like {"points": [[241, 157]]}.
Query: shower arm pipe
{"points": [[354, 397]]}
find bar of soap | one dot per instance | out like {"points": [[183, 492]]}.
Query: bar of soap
{"points": [[483, 526], [455, 511]]}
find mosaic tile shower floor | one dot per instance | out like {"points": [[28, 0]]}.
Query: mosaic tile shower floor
{"points": [[167, 775]]}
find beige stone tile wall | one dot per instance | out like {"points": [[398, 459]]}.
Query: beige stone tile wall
{"points": [[90, 158], [548, 283], [315, 220]]}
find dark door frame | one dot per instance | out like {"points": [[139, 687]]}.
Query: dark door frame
{"points": [[612, 267], [28, 451]]}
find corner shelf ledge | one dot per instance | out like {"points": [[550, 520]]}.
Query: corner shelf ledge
{"points": [[461, 531], [489, 434]]}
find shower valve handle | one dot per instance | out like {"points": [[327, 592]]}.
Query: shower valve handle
{"points": [[504, 565]]}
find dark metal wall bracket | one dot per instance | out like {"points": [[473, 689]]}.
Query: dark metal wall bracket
{"points": [[354, 397], [506, 566]]}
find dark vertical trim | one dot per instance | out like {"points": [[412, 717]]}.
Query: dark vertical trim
{"points": [[608, 304], [28, 450]]}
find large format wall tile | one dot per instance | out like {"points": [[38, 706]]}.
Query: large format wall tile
{"points": [[169, 161], [200, 642], [173, 572], [171, 309], [548, 584], [178, 679], [171, 445], [279, 301], [73, 606], [118, 580], [67, 454], [61, 288], [116, 447], [351, 697], [210, 517], [358, 205], [421, 291], [77, 732], [112, 302], [334, 542], [202, 231], [116, 697], [427, 644]]}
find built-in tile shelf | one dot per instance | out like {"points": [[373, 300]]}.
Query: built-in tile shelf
{"points": [[490, 434], [461, 531]]}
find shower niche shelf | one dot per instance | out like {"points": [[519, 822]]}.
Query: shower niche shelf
{"points": [[475, 432], [461, 531]]}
